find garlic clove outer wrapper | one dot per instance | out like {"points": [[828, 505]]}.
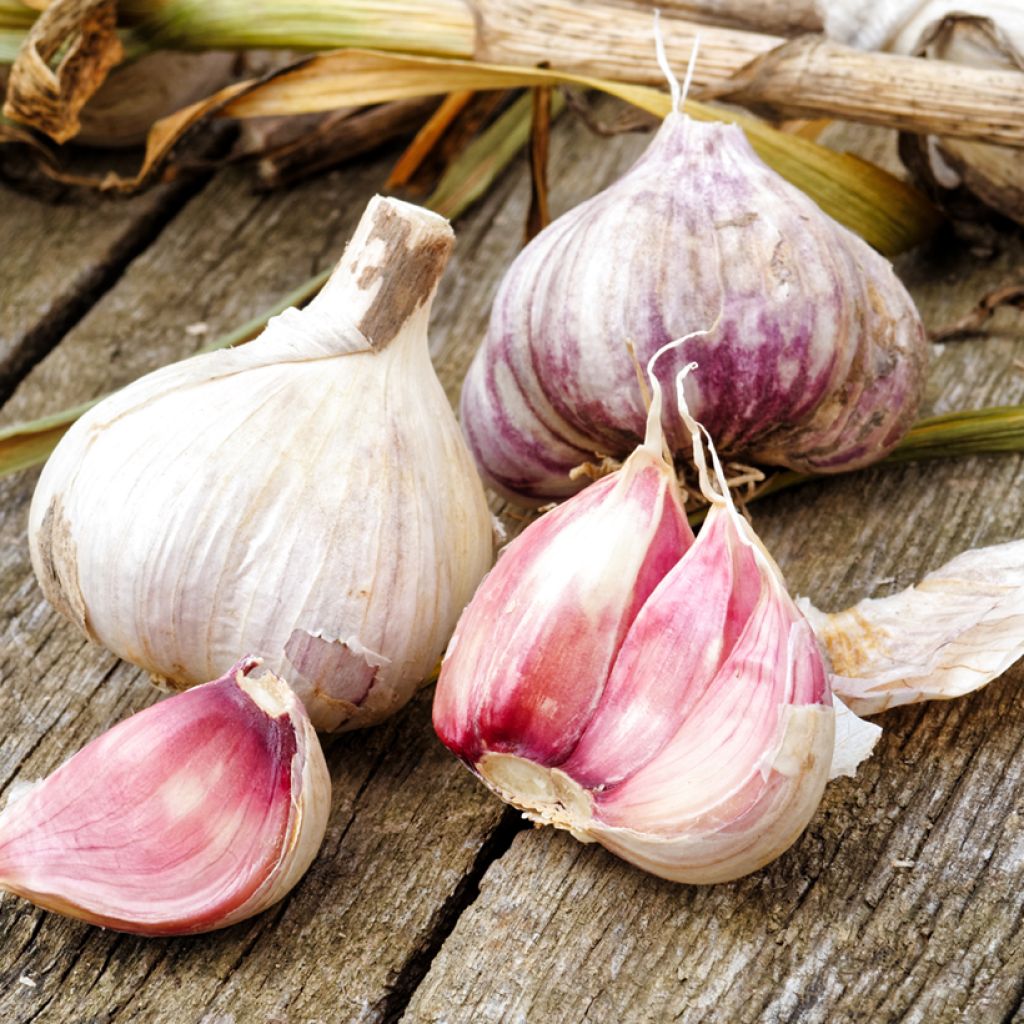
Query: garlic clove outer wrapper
{"points": [[707, 734], [816, 362], [950, 634], [307, 497], [191, 815]]}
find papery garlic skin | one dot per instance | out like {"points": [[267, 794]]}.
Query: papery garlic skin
{"points": [[191, 815], [707, 730], [948, 635], [307, 496], [817, 361]]}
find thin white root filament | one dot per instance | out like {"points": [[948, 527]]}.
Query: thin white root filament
{"points": [[678, 94]]}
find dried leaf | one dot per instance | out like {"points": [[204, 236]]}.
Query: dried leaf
{"points": [[11, 132], [83, 34], [332, 140], [28, 444], [471, 173], [427, 138], [958, 629], [998, 428], [971, 432], [889, 214], [539, 216]]}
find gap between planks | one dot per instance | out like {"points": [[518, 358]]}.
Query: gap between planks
{"points": [[39, 340]]}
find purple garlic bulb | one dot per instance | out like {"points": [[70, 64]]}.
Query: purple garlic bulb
{"points": [[817, 356]]}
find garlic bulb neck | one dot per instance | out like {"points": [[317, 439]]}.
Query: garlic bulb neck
{"points": [[390, 270]]}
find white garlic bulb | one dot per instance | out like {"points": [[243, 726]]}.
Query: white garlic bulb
{"points": [[307, 498]]}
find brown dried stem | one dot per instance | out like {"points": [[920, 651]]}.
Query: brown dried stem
{"points": [[539, 215], [779, 17], [1010, 294], [804, 77]]}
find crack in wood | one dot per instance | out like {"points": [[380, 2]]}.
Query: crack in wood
{"points": [[44, 336], [391, 1008]]}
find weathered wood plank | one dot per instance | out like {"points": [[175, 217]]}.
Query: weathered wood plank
{"points": [[835, 930], [56, 258], [410, 832]]}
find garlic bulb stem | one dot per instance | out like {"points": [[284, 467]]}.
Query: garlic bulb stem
{"points": [[723, 496], [390, 270], [677, 94]]}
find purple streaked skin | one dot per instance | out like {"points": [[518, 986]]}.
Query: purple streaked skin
{"points": [[817, 361]]}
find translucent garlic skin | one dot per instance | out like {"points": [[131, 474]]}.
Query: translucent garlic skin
{"points": [[696, 742], [191, 815], [307, 497], [817, 361]]}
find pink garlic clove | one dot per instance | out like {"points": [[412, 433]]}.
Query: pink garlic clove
{"points": [[751, 753], [531, 654], [708, 735], [191, 815], [694, 622]]}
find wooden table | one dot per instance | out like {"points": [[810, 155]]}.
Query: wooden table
{"points": [[430, 901]]}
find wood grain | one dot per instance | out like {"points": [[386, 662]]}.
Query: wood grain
{"points": [[58, 257]]}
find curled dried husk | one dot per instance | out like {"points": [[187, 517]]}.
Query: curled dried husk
{"points": [[948, 167], [987, 34], [958, 629], [897, 26], [659, 695], [307, 497], [192, 815]]}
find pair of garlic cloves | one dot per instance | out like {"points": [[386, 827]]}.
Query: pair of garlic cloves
{"points": [[193, 814], [660, 694]]}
